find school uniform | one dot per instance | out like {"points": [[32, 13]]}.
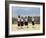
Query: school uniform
{"points": [[21, 22], [18, 21], [26, 22], [32, 21]]}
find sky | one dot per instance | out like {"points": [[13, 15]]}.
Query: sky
{"points": [[25, 11]]}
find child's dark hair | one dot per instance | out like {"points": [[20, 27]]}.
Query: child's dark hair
{"points": [[18, 16]]}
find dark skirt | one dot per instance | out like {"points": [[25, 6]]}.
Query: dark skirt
{"points": [[18, 23], [21, 23], [32, 22], [26, 23]]}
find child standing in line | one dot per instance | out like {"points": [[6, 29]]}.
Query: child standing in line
{"points": [[22, 22], [33, 21], [26, 22], [18, 21]]}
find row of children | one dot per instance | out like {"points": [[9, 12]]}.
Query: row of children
{"points": [[22, 21]]}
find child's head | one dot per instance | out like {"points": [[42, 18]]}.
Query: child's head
{"points": [[18, 16]]}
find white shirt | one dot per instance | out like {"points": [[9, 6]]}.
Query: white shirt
{"points": [[26, 20], [21, 20], [32, 19], [18, 19]]}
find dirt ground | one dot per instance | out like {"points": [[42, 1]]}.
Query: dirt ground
{"points": [[27, 28]]}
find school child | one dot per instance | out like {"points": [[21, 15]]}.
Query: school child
{"points": [[33, 21], [22, 22], [26, 22], [18, 21]]}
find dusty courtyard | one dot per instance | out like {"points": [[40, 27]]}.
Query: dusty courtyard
{"points": [[24, 28]]}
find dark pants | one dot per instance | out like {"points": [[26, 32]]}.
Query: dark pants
{"points": [[32, 22], [26, 23], [21, 23], [18, 23]]}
